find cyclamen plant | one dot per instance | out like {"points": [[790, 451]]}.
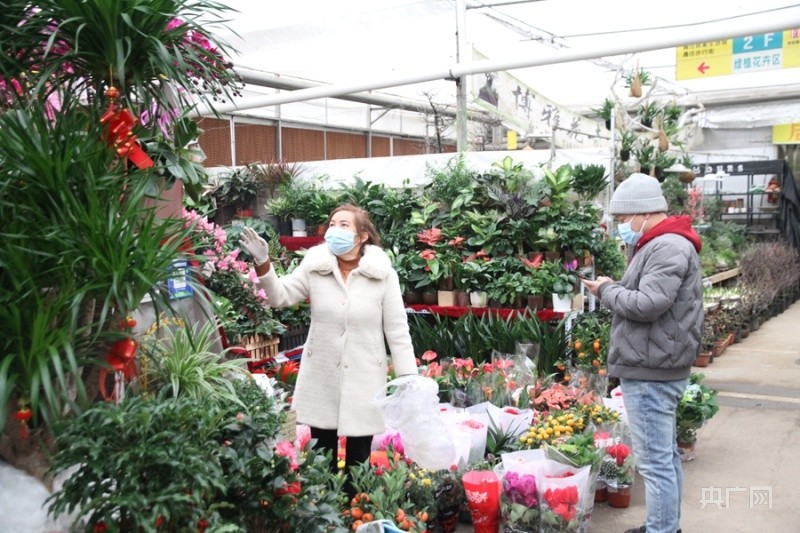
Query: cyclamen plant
{"points": [[519, 503]]}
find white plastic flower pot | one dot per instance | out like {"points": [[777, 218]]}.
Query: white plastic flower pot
{"points": [[562, 305]]}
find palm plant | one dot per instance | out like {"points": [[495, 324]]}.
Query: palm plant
{"points": [[82, 242]]}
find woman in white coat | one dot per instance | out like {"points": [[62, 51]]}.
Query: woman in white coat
{"points": [[356, 303]]}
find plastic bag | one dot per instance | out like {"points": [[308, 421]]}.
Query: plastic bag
{"points": [[413, 410], [379, 526]]}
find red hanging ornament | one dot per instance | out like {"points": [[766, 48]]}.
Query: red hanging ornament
{"points": [[121, 358], [119, 123], [23, 415]]}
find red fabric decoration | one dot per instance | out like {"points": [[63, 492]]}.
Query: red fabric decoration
{"points": [[119, 135]]}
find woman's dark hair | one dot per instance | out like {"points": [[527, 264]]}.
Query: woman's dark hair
{"points": [[363, 223]]}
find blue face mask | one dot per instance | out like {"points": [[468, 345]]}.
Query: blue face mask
{"points": [[626, 233], [340, 241]]}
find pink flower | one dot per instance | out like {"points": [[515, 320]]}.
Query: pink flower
{"points": [[429, 356], [395, 441], [533, 264], [456, 242], [430, 236], [428, 255], [286, 449]]}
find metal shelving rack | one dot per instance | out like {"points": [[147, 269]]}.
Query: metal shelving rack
{"points": [[757, 222]]}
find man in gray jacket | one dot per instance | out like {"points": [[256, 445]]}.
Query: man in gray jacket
{"points": [[655, 336]]}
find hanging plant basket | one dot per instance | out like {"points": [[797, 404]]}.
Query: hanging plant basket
{"points": [[687, 177]]}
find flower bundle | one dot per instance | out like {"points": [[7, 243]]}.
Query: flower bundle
{"points": [[560, 397], [560, 509], [519, 503]]}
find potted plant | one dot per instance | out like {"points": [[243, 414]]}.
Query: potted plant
{"points": [[635, 79], [648, 112], [558, 281], [627, 140], [475, 277], [697, 406], [589, 181], [645, 155], [605, 111], [239, 189], [617, 472]]}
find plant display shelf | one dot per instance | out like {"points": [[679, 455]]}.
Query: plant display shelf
{"points": [[719, 277], [758, 173]]}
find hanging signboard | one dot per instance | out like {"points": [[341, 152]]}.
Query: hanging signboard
{"points": [[786, 133], [521, 108], [751, 53]]}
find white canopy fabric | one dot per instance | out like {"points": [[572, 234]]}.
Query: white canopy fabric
{"points": [[394, 171], [350, 40]]}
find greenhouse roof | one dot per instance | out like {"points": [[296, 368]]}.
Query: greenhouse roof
{"points": [[380, 43]]}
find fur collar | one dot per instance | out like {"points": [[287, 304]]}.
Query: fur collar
{"points": [[374, 263]]}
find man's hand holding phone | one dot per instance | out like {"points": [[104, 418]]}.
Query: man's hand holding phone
{"points": [[593, 285]]}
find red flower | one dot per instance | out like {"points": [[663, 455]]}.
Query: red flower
{"points": [[532, 264], [429, 356], [563, 501], [202, 524], [159, 521], [619, 452], [430, 236], [288, 371], [100, 527], [289, 488]]}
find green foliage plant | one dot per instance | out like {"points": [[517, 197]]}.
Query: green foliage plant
{"points": [[186, 361], [697, 406], [589, 180]]}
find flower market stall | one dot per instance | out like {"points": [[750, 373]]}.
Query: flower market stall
{"points": [[144, 416]]}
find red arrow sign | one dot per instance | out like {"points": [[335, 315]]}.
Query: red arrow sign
{"points": [[702, 67]]}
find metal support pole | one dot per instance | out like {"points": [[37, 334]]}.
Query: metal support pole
{"points": [[461, 81]]}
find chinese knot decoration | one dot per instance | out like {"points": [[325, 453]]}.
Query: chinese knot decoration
{"points": [[119, 122], [23, 415], [121, 358]]}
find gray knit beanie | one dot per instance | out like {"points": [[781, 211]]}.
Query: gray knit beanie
{"points": [[639, 193]]}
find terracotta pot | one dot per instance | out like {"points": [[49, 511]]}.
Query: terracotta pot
{"points": [[601, 495], [462, 299], [719, 348], [619, 497], [702, 359], [430, 298], [535, 302], [687, 451]]}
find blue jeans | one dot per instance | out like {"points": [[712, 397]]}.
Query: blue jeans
{"points": [[651, 407]]}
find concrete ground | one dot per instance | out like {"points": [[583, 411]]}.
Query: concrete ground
{"points": [[747, 453]]}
